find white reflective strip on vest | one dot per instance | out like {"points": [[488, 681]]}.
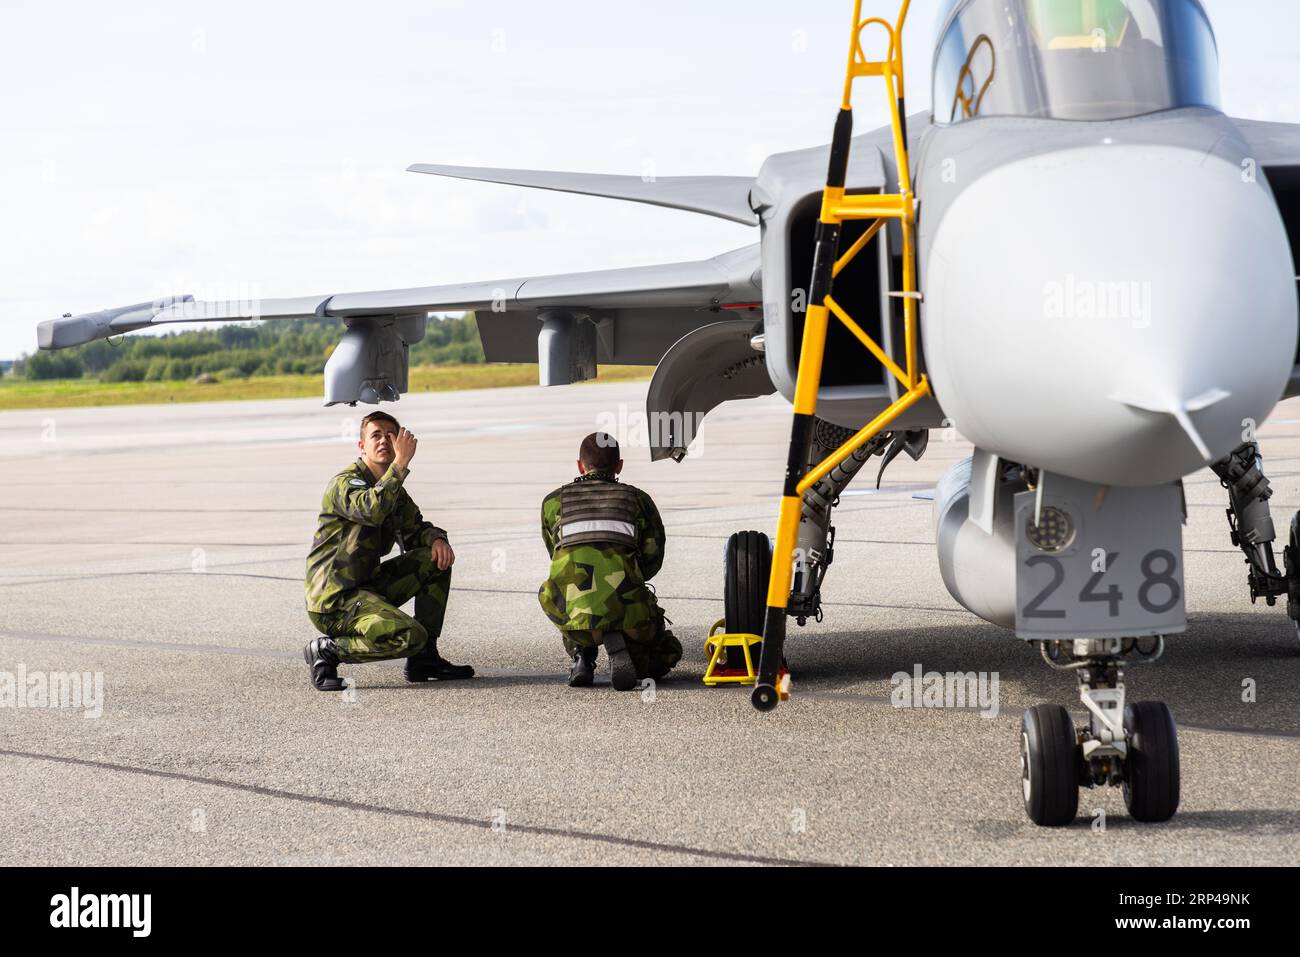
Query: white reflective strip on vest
{"points": [[596, 525]]}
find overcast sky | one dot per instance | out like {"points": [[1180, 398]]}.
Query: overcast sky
{"points": [[237, 149]]}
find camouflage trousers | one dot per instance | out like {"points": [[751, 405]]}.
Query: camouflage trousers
{"points": [[371, 626], [653, 648]]}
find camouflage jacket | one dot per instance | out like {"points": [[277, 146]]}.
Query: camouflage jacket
{"points": [[360, 521], [598, 586]]}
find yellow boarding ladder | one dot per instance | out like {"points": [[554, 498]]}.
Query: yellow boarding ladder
{"points": [[827, 264]]}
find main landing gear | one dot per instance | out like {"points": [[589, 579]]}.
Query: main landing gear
{"points": [[748, 557], [1250, 525], [1133, 746]]}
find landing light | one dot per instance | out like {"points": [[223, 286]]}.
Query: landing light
{"points": [[1054, 531]]}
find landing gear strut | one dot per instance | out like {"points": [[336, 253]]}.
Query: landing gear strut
{"points": [[816, 537], [1250, 525], [1133, 746], [747, 561]]}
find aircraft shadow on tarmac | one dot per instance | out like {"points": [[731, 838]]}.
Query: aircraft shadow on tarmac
{"points": [[1204, 676], [1250, 821], [484, 679], [1241, 820]]}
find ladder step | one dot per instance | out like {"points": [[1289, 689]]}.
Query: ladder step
{"points": [[873, 205]]}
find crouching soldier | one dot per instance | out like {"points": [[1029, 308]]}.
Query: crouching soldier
{"points": [[606, 541], [353, 597]]}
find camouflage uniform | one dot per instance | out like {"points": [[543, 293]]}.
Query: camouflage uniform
{"points": [[596, 588], [353, 596]]}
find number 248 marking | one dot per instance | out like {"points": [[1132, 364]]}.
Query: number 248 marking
{"points": [[1151, 579]]}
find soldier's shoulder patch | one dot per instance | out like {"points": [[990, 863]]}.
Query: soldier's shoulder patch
{"points": [[358, 482]]}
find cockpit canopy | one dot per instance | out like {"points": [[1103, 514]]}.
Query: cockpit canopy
{"points": [[1073, 59]]}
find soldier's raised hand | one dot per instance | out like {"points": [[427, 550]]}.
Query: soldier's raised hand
{"points": [[404, 448], [443, 556]]}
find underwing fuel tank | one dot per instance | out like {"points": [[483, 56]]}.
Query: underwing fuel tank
{"points": [[1116, 312], [978, 566]]}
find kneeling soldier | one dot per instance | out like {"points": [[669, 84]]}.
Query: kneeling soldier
{"points": [[606, 541], [353, 598]]}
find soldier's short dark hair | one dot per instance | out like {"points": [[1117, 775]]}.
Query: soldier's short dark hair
{"points": [[378, 417], [599, 451]]}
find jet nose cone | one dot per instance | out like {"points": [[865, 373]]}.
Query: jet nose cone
{"points": [[1120, 314]]}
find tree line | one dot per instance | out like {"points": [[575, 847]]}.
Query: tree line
{"points": [[238, 350]]}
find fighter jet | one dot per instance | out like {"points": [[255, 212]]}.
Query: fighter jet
{"points": [[1073, 257]]}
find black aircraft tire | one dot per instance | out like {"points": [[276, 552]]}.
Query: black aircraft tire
{"points": [[1049, 765], [748, 565], [1151, 770], [1291, 563]]}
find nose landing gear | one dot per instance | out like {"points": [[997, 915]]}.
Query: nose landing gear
{"points": [[1151, 773], [1133, 746], [1049, 765]]}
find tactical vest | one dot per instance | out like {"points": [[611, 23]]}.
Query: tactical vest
{"points": [[598, 513]]}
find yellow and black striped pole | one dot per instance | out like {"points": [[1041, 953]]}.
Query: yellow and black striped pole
{"points": [[807, 383], [826, 264]]}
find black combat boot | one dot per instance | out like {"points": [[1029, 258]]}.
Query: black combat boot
{"points": [[622, 673], [583, 669], [427, 665], [322, 657]]}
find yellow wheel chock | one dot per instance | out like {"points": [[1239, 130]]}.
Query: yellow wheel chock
{"points": [[715, 647]]}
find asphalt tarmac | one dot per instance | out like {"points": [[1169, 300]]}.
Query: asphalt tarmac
{"points": [[163, 548]]}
